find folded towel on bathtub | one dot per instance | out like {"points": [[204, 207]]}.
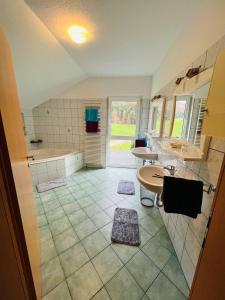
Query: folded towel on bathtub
{"points": [[52, 184]]}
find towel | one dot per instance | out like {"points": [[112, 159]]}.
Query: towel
{"points": [[182, 196], [91, 114], [92, 126], [140, 143]]}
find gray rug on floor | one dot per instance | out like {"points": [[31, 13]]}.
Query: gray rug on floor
{"points": [[125, 228], [126, 187], [52, 184]]}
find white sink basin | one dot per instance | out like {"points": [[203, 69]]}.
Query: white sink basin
{"points": [[144, 153], [145, 177]]}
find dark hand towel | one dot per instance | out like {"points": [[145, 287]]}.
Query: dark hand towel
{"points": [[140, 143], [182, 196]]}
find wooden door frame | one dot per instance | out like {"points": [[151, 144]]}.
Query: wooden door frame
{"points": [[11, 211], [208, 282]]}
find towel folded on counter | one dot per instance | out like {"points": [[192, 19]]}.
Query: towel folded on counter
{"points": [[182, 196]]}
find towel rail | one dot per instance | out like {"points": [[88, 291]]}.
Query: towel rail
{"points": [[208, 188]]}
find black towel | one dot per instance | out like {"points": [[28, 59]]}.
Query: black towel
{"points": [[182, 196]]}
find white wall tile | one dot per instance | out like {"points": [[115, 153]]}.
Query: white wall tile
{"points": [[210, 168], [178, 244], [192, 246], [191, 232], [188, 267]]}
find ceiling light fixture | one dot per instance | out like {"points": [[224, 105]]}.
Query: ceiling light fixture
{"points": [[78, 34]]}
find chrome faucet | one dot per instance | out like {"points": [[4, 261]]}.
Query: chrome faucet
{"points": [[171, 169]]}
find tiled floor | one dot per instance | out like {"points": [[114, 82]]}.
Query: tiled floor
{"points": [[78, 259], [122, 158]]}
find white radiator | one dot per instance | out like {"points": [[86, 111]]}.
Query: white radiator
{"points": [[202, 106], [94, 143]]}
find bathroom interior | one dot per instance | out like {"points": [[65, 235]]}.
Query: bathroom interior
{"points": [[95, 116]]}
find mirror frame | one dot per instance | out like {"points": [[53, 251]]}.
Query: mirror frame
{"points": [[157, 103], [187, 88]]}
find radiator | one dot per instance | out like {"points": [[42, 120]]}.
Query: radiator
{"points": [[94, 143]]}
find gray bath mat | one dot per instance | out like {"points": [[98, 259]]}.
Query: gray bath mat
{"points": [[126, 187], [125, 228], [52, 184]]}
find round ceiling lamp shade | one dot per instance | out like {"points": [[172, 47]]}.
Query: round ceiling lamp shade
{"points": [[78, 34]]}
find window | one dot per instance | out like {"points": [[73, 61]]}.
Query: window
{"points": [[182, 117]]}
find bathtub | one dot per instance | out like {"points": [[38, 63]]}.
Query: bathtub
{"points": [[49, 164]]}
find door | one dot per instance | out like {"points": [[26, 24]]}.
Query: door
{"points": [[17, 203], [123, 128], [209, 280]]}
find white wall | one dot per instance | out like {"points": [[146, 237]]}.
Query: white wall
{"points": [[43, 68], [207, 26], [187, 234], [102, 87]]}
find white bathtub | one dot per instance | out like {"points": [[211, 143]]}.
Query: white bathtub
{"points": [[48, 164]]}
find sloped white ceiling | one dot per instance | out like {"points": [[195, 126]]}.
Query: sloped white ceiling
{"points": [[206, 27], [43, 67], [129, 37]]}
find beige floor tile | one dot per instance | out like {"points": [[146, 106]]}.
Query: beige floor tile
{"points": [[125, 252], [84, 283], [143, 270], [65, 240], [61, 292], [101, 295], [52, 275], [59, 225], [85, 228], [94, 243], [73, 258], [163, 288], [123, 286], [48, 250], [107, 264]]}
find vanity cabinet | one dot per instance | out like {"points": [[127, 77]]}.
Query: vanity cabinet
{"points": [[214, 119]]}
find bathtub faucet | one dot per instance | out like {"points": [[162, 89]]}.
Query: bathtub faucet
{"points": [[30, 157], [36, 141]]}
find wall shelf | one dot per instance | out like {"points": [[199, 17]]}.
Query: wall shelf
{"points": [[188, 152]]}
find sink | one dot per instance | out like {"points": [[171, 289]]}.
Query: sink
{"points": [[144, 153], [144, 175]]}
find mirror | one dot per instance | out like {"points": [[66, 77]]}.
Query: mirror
{"points": [[188, 111], [156, 115]]}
